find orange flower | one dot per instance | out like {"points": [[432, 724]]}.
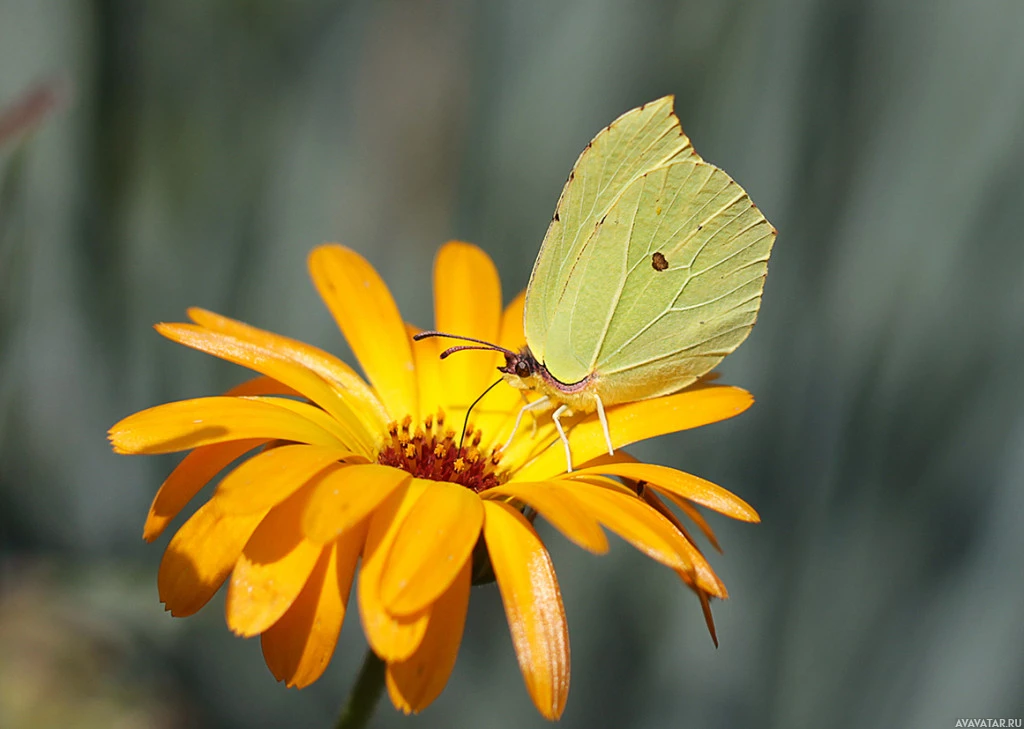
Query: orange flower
{"points": [[337, 470]]}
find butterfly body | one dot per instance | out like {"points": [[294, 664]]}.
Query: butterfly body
{"points": [[523, 371]]}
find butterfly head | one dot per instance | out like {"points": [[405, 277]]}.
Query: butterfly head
{"points": [[521, 369]]}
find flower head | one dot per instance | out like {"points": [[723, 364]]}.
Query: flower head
{"points": [[323, 469]]}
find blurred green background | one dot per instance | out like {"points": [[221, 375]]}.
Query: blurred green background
{"points": [[204, 147]]}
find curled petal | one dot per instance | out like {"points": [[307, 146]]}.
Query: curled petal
{"points": [[331, 398], [691, 511], [323, 363], [688, 486], [634, 521], [533, 606], [709, 619], [646, 529]]}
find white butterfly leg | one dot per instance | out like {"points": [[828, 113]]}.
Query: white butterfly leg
{"points": [[519, 418], [604, 425], [557, 418]]}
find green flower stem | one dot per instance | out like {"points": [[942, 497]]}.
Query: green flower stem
{"points": [[365, 694]]}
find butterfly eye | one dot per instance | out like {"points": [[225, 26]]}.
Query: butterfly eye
{"points": [[523, 368]]}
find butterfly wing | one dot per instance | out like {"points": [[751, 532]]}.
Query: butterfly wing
{"points": [[639, 141], [651, 324]]}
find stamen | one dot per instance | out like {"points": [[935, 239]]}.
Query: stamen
{"points": [[430, 452]]}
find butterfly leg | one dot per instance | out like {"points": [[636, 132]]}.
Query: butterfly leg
{"points": [[604, 425], [557, 418], [534, 419], [519, 418]]}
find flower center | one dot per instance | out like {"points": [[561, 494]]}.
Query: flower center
{"points": [[433, 452]]}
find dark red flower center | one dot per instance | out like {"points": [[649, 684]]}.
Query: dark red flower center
{"points": [[432, 451]]}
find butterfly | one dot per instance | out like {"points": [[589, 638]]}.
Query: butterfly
{"points": [[650, 273]]}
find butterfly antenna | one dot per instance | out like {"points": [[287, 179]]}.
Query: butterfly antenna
{"points": [[463, 347], [465, 423], [482, 343]]}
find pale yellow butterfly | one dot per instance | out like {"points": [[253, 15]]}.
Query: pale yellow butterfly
{"points": [[650, 273]]}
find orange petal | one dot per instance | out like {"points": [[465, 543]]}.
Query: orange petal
{"points": [[627, 423], [603, 482], [496, 413], [642, 526], [392, 637], [344, 495], [261, 385], [533, 606], [634, 521], [311, 385], [272, 570], [298, 647], [313, 413], [433, 544], [414, 683], [669, 480], [200, 556], [651, 498], [179, 426], [695, 516], [427, 356], [323, 363], [559, 507], [709, 619], [467, 301], [268, 478], [619, 456], [512, 336], [187, 479], [701, 573], [369, 319]]}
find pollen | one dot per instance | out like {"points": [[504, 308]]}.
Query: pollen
{"points": [[432, 452]]}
